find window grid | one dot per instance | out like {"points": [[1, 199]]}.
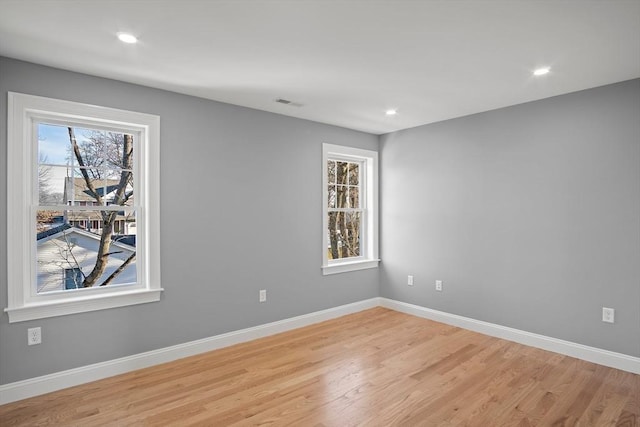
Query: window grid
{"points": [[99, 168], [344, 208], [29, 235], [350, 217]]}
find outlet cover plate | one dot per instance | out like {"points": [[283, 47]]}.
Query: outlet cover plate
{"points": [[608, 315], [34, 336]]}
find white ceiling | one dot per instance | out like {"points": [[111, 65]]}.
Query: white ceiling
{"points": [[345, 61]]}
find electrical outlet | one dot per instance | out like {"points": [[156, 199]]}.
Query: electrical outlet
{"points": [[608, 315], [263, 295], [34, 336], [410, 280], [439, 285]]}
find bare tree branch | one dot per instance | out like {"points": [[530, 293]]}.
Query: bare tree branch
{"points": [[119, 269], [83, 170]]}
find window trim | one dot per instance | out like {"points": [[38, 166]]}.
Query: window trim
{"points": [[22, 113], [369, 241]]}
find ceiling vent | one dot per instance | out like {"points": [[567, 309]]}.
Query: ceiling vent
{"points": [[287, 102]]}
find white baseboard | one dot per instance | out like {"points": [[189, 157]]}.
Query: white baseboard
{"points": [[591, 354], [47, 383]]}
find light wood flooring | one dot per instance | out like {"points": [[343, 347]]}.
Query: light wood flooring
{"points": [[373, 368]]}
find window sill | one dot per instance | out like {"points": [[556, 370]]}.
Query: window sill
{"points": [[81, 305], [345, 267]]}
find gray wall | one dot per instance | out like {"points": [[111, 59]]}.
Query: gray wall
{"points": [[530, 215], [241, 211]]}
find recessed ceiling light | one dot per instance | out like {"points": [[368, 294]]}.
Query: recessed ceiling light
{"points": [[127, 38], [541, 71], [391, 112]]}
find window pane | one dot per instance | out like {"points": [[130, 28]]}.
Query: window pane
{"points": [[344, 234], [103, 150], [51, 184], [90, 221], [341, 172], [53, 144], [334, 236], [341, 196], [354, 197], [116, 195], [73, 278], [332, 196], [46, 220], [331, 171], [354, 173], [67, 246], [80, 193], [91, 144], [103, 187], [351, 233], [119, 150]]}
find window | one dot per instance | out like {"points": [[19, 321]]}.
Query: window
{"points": [[350, 209], [81, 175]]}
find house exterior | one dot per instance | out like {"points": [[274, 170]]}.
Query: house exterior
{"points": [[65, 254], [76, 193]]}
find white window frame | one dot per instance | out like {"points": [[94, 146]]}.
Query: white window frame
{"points": [[24, 112], [369, 199]]}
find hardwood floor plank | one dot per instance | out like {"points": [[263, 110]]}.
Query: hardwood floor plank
{"points": [[373, 368]]}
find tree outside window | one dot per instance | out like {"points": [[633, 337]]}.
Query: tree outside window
{"points": [[86, 191], [344, 210], [350, 209], [84, 228]]}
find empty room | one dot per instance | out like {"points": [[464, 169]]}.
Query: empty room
{"points": [[320, 213]]}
